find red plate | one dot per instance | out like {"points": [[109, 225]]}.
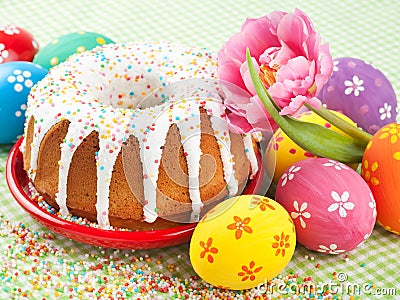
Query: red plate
{"points": [[18, 181]]}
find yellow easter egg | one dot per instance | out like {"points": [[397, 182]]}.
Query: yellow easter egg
{"points": [[242, 242], [282, 152]]}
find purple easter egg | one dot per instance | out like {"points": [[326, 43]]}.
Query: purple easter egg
{"points": [[361, 92], [331, 205]]}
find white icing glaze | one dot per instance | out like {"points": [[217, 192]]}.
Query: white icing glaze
{"points": [[190, 131], [221, 131], [103, 90]]}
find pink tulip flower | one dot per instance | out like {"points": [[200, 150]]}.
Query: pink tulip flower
{"points": [[292, 64]]}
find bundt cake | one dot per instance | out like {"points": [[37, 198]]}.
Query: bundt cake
{"points": [[108, 139]]}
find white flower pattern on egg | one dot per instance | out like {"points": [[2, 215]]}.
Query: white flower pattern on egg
{"points": [[372, 204], [18, 113], [342, 203], [385, 111], [335, 66], [3, 53], [10, 29], [337, 165], [354, 86], [21, 80], [35, 44], [332, 249], [290, 174], [300, 213]]}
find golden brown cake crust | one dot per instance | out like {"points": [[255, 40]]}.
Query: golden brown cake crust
{"points": [[125, 210]]}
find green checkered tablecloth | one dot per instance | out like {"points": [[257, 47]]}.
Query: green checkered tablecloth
{"points": [[55, 267]]}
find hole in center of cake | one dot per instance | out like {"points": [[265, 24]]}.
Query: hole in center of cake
{"points": [[132, 90]]}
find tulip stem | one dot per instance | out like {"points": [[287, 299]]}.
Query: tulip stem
{"points": [[347, 128]]}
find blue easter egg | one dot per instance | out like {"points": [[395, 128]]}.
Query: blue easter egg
{"points": [[16, 81], [362, 92]]}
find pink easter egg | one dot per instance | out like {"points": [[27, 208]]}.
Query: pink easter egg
{"points": [[331, 205]]}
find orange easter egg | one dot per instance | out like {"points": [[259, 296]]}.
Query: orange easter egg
{"points": [[381, 169]]}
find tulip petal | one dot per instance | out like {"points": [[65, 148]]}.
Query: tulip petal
{"points": [[293, 32], [299, 65], [244, 72], [229, 69]]}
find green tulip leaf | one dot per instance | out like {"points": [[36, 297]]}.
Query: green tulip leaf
{"points": [[349, 129], [312, 137]]}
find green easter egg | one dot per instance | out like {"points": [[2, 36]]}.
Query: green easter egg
{"points": [[59, 49]]}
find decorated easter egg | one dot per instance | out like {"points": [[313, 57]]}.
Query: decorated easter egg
{"points": [[331, 205], [16, 44], [59, 49], [16, 80], [381, 170], [361, 92], [282, 152], [242, 242]]}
